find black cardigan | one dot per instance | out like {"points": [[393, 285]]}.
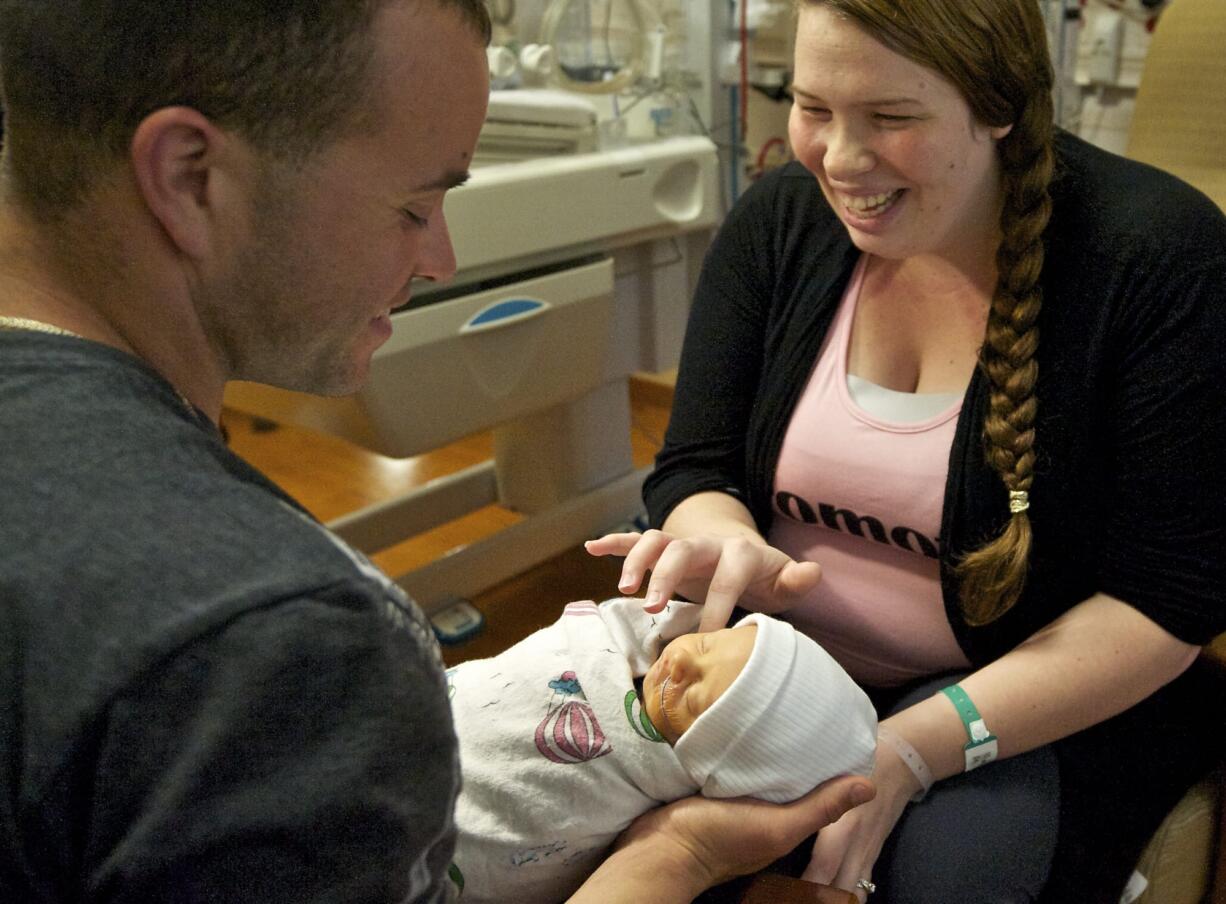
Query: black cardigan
{"points": [[1129, 493]]}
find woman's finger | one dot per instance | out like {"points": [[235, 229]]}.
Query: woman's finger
{"points": [[739, 566], [863, 888], [854, 878], [681, 559], [612, 544], [828, 852], [645, 556]]}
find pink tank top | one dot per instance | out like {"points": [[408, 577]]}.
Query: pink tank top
{"points": [[862, 496]]}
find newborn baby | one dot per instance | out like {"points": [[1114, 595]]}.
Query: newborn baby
{"points": [[561, 746]]}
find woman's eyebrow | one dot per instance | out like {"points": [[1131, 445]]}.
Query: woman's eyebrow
{"points": [[871, 102]]}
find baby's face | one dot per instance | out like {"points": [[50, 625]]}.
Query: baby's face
{"points": [[692, 673]]}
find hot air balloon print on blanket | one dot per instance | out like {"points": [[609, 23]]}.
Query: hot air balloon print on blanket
{"points": [[569, 733]]}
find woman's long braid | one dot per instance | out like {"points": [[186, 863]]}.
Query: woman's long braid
{"points": [[992, 577]]}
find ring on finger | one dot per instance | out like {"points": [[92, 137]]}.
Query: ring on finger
{"points": [[867, 886]]}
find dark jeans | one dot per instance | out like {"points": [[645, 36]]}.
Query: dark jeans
{"points": [[984, 837]]}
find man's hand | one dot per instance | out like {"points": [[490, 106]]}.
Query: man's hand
{"points": [[729, 838], [671, 854]]}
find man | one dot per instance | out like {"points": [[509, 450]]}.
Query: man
{"points": [[203, 694]]}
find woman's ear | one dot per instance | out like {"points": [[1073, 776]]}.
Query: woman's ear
{"points": [[999, 132], [174, 154]]}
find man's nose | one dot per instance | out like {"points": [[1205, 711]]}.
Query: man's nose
{"points": [[436, 255]]}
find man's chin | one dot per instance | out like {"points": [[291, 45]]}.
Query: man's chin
{"points": [[328, 382], [339, 386]]}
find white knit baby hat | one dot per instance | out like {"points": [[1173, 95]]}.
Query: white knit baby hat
{"points": [[792, 719]]}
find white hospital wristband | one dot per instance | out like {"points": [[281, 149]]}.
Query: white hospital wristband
{"points": [[911, 757]]}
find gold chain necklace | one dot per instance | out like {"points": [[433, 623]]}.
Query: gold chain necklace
{"points": [[38, 326]]}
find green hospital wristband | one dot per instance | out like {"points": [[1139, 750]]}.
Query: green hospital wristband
{"points": [[982, 746]]}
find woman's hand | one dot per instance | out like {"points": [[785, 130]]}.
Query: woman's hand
{"points": [[846, 852], [716, 570], [674, 852]]}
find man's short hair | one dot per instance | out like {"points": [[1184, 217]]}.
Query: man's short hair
{"points": [[79, 76]]}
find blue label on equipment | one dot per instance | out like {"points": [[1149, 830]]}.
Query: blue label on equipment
{"points": [[512, 307]]}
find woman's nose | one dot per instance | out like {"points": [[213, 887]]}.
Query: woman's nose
{"points": [[847, 154]]}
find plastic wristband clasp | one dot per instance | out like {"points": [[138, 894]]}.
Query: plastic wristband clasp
{"points": [[982, 747]]}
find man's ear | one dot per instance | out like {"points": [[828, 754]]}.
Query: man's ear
{"points": [[174, 154]]}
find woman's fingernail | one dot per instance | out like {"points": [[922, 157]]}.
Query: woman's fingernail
{"points": [[653, 597], [625, 583]]}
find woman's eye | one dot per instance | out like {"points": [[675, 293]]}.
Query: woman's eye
{"points": [[891, 119], [415, 219], [814, 111]]}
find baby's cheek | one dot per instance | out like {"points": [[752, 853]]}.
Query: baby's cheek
{"points": [[690, 708]]}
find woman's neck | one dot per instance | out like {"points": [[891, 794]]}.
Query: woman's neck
{"points": [[934, 277]]}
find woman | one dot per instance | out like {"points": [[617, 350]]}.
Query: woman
{"points": [[870, 435]]}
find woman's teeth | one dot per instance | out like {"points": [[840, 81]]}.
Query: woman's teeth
{"points": [[872, 205]]}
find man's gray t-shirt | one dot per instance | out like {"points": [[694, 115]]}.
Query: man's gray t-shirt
{"points": [[203, 695]]}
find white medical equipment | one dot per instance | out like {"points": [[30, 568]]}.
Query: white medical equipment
{"points": [[600, 46], [527, 123], [575, 271]]}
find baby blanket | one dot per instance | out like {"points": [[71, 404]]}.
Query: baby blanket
{"points": [[557, 755]]}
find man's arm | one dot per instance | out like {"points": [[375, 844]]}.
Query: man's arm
{"points": [[301, 752]]}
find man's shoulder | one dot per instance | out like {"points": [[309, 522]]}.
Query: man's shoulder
{"points": [[124, 510], [100, 452]]}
